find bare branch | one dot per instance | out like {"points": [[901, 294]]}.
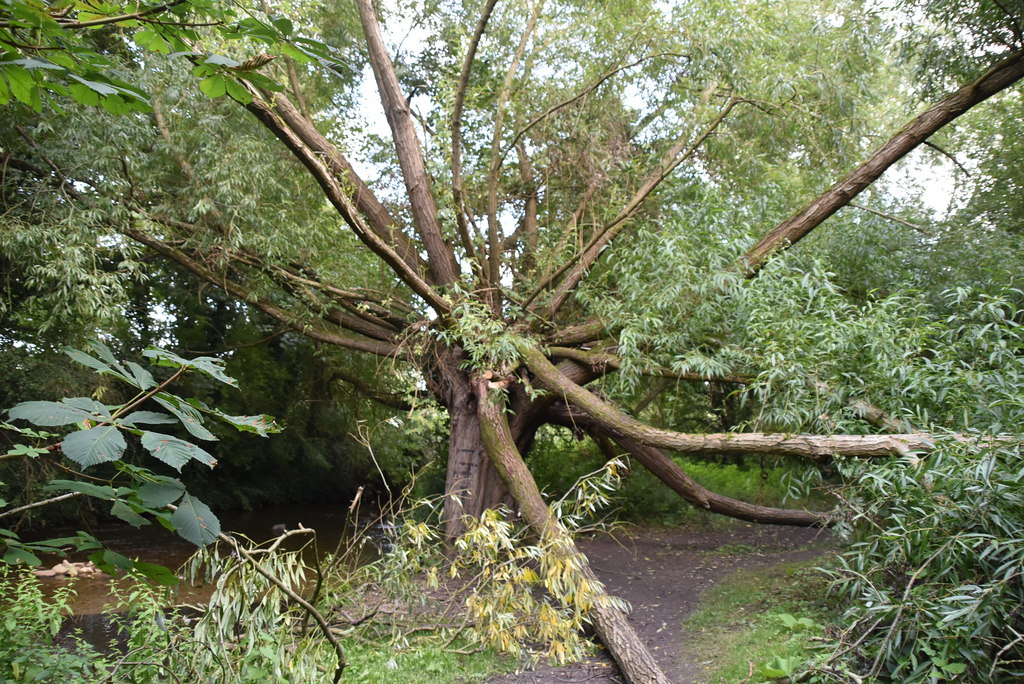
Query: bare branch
{"points": [[996, 79], [407, 146], [814, 447], [895, 219], [460, 98], [558, 106], [317, 332]]}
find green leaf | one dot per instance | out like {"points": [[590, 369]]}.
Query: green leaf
{"points": [[110, 561], [159, 494], [195, 522], [87, 404], [141, 375], [260, 425], [173, 451], [128, 514], [95, 445], [80, 356], [148, 418], [221, 60], [208, 365], [88, 488], [17, 554], [295, 53], [48, 413], [25, 450], [99, 87], [283, 24], [23, 84], [115, 104], [237, 91], [188, 416], [157, 573], [213, 86]]}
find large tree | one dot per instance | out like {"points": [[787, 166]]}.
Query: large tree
{"points": [[569, 190]]}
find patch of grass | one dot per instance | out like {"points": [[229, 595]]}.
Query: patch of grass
{"points": [[757, 625], [428, 664]]}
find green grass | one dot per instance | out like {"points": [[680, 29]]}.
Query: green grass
{"points": [[758, 624], [372, 664]]}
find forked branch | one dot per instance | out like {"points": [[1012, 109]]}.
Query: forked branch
{"points": [[583, 260]]}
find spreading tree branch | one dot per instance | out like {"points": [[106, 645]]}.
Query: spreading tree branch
{"points": [[407, 146], [585, 258], [669, 472], [458, 196], [345, 206], [813, 447], [235, 289], [998, 78]]}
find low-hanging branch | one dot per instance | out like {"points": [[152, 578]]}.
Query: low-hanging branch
{"points": [[673, 475], [814, 447], [235, 289]]}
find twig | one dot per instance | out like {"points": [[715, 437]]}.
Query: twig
{"points": [[36, 504]]}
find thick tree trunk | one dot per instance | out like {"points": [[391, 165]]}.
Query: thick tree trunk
{"points": [[635, 661], [472, 485]]}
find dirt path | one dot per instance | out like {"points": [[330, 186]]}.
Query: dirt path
{"points": [[662, 573]]}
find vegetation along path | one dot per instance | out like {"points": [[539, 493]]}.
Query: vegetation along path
{"points": [[662, 574]]}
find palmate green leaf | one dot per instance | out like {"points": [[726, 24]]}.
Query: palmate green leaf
{"points": [[95, 445], [195, 522], [173, 451], [88, 488], [148, 417], [128, 514], [159, 494], [48, 413], [188, 416], [88, 404], [109, 365], [207, 365]]}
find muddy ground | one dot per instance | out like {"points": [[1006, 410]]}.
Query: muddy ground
{"points": [[662, 574]]}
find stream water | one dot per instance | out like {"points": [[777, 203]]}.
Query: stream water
{"points": [[153, 544]]}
